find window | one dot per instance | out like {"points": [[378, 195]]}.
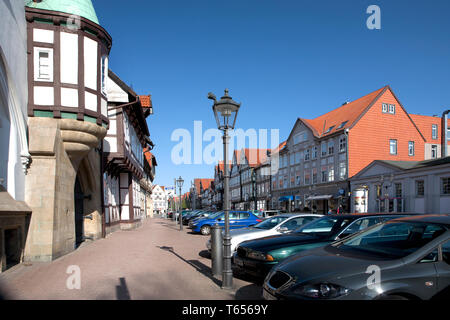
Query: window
{"points": [[307, 154], [342, 144], [342, 170], [314, 175], [314, 152], [331, 147], [393, 146], [433, 151], [43, 64], [331, 172], [329, 129], [411, 148], [420, 188], [388, 108], [392, 108], [324, 174], [292, 158], [307, 178], [434, 131], [398, 190], [324, 149], [104, 73], [342, 125], [446, 252], [445, 185], [300, 137]]}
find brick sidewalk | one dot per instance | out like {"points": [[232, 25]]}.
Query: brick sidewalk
{"points": [[156, 261]]}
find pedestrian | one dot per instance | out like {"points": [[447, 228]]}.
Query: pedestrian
{"points": [[330, 211]]}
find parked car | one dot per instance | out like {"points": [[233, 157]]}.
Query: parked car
{"points": [[195, 215], [202, 215], [257, 257], [271, 226], [411, 256], [238, 219]]}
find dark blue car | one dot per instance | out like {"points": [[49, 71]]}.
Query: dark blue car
{"points": [[238, 219]]}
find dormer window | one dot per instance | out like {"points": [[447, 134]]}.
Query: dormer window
{"points": [[342, 124], [329, 129]]}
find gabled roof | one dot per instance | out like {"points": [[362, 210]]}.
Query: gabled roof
{"points": [[424, 124], [202, 184], [220, 166], [346, 115], [137, 107]]}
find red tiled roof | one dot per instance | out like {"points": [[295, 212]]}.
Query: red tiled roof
{"points": [[204, 183], [347, 114], [280, 147], [146, 101]]}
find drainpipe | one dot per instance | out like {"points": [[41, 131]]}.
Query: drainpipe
{"points": [[348, 169], [444, 142], [102, 192]]}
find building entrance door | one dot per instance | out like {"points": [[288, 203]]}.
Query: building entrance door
{"points": [[79, 209]]}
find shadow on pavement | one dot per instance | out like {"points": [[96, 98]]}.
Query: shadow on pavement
{"points": [[250, 292], [122, 292], [200, 267], [205, 254]]}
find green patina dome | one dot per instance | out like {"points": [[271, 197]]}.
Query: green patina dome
{"points": [[82, 8]]}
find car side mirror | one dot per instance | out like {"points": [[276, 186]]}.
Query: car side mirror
{"points": [[283, 229]]}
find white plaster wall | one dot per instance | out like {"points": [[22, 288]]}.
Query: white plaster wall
{"points": [[90, 101], [69, 97], [90, 63], [69, 58], [112, 127], [41, 35], [13, 53], [110, 144], [44, 96], [115, 93]]}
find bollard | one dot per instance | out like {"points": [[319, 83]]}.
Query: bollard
{"points": [[216, 250]]}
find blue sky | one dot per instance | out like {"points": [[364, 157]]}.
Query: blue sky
{"points": [[281, 59]]}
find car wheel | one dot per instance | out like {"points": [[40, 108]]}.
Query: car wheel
{"points": [[205, 230]]}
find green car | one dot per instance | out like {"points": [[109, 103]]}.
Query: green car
{"points": [[257, 257]]}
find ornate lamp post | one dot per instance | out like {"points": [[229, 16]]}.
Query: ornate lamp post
{"points": [[180, 217], [225, 112]]}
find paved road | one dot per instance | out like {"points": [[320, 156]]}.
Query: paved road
{"points": [[156, 261]]}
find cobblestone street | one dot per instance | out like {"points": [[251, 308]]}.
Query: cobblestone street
{"points": [[156, 261]]}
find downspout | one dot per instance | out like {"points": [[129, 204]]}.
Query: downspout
{"points": [[348, 169], [444, 142], [102, 192]]}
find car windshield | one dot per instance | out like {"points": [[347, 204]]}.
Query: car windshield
{"points": [[393, 239], [215, 215], [269, 223], [325, 226]]}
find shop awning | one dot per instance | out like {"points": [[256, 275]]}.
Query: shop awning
{"points": [[286, 198], [320, 197]]}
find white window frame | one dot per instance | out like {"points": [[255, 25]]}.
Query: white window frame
{"points": [[434, 151], [390, 146], [411, 148], [434, 131], [37, 68], [384, 107], [391, 108]]}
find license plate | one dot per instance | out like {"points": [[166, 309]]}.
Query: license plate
{"points": [[238, 262], [268, 296]]}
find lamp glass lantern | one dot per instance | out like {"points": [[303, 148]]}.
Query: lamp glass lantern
{"points": [[225, 111]]}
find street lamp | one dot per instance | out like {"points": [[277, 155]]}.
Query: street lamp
{"points": [[225, 112], [180, 185]]}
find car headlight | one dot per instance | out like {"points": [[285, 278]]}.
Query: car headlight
{"points": [[260, 256], [321, 291]]}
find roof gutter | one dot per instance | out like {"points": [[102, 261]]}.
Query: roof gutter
{"points": [[444, 142]]}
